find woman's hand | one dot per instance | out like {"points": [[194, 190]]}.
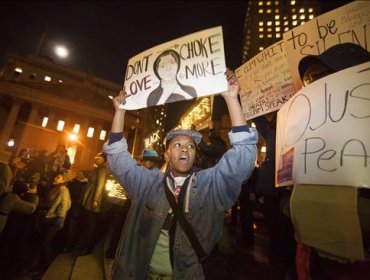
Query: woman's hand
{"points": [[120, 99], [233, 85]]}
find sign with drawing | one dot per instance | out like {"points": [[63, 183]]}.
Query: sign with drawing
{"points": [[181, 69], [347, 24], [265, 82], [323, 132]]}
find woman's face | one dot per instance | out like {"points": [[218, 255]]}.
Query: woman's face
{"points": [[167, 68]]}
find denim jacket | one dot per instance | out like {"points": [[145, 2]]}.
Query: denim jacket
{"points": [[213, 191]]}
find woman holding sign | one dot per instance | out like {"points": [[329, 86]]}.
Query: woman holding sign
{"points": [[166, 67], [155, 242]]}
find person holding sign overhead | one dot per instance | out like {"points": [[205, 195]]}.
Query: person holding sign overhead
{"points": [[156, 242], [166, 66], [325, 250]]}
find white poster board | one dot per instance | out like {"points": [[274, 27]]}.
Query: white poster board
{"points": [[347, 24], [181, 69], [265, 82], [323, 132]]}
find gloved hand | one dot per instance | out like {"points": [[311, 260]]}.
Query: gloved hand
{"points": [[59, 221]]}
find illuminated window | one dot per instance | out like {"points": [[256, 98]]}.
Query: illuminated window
{"points": [[260, 23], [260, 11], [310, 10], [269, 29], [277, 35], [260, 36], [301, 10], [286, 23], [277, 29], [294, 22], [302, 22], [268, 3], [269, 35], [311, 16], [18, 70], [276, 2], [277, 17], [294, 16], [268, 11], [76, 128], [260, 3], [260, 48], [269, 23], [292, 2], [277, 22], [103, 134], [90, 132], [286, 28], [47, 78], [277, 11], [260, 29], [293, 10], [60, 125], [44, 121], [302, 17]]}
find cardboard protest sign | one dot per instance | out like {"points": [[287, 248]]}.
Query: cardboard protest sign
{"points": [[265, 82], [181, 69], [347, 24], [323, 132]]}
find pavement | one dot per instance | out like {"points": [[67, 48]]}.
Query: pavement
{"points": [[243, 264]]}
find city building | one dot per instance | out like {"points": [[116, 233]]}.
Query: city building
{"points": [[44, 104]]}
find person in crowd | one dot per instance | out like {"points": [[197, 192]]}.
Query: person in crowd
{"points": [[154, 246], [282, 245], [9, 201], [91, 199], [212, 151], [38, 162], [53, 211], [166, 67], [58, 162], [73, 223], [314, 262], [149, 159], [246, 239]]}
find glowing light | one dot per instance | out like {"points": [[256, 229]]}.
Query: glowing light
{"points": [[90, 132], [45, 121], [11, 143], [61, 51], [263, 149], [60, 125], [73, 137], [47, 78]]}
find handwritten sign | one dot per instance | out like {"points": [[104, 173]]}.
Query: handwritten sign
{"points": [[347, 24], [265, 82], [181, 69], [326, 127]]}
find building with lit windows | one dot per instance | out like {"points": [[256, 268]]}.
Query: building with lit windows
{"points": [[44, 104], [266, 21]]}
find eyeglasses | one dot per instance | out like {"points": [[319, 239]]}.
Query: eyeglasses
{"points": [[311, 76]]}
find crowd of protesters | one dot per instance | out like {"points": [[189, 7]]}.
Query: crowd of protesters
{"points": [[44, 210]]}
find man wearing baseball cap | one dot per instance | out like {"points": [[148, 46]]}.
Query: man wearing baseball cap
{"points": [[155, 245]]}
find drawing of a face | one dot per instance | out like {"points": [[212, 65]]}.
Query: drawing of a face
{"points": [[167, 67]]}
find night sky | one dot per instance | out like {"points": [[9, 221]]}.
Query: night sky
{"points": [[103, 36]]}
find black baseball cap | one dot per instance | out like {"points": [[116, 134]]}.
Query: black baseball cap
{"points": [[337, 58]]}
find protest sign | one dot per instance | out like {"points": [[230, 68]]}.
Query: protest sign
{"points": [[265, 82], [181, 69], [347, 24], [323, 132]]}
